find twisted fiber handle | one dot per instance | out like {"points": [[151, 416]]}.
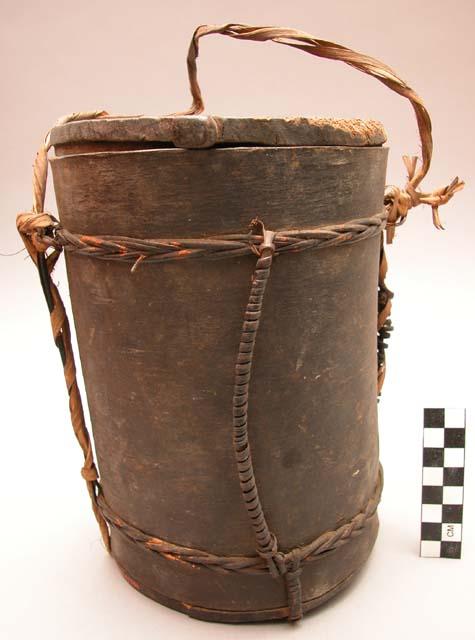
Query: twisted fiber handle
{"points": [[62, 338], [310, 552], [398, 201], [33, 228]]}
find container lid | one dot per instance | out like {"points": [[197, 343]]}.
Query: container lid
{"points": [[199, 131]]}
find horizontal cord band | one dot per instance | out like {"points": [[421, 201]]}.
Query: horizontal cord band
{"points": [[45, 232], [324, 543]]}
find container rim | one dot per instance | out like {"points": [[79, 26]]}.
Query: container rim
{"points": [[205, 131]]}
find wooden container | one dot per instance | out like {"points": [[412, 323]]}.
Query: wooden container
{"points": [[228, 496], [158, 345]]}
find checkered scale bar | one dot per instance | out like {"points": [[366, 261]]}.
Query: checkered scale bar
{"points": [[442, 483]]}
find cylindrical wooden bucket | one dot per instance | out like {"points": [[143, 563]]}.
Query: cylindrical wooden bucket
{"points": [[228, 497], [158, 348]]}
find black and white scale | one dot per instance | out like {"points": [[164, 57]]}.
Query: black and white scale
{"points": [[442, 483]]}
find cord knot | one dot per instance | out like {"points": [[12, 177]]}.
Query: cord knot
{"points": [[399, 201], [288, 566], [267, 243], [293, 585], [275, 559], [37, 231], [90, 473]]}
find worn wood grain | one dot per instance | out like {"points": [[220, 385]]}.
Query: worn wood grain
{"points": [[207, 131], [158, 348]]}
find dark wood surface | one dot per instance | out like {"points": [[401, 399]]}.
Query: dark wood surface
{"points": [[158, 349], [207, 131]]}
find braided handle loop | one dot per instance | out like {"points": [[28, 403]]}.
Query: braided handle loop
{"points": [[322, 49], [398, 201]]}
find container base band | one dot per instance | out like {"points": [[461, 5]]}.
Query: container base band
{"points": [[255, 564]]}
